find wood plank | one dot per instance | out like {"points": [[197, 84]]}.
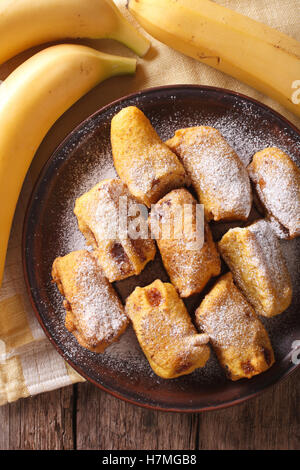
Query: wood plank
{"points": [[271, 421], [4, 427], [41, 423], [104, 422]]}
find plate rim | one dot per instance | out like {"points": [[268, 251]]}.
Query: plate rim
{"points": [[120, 396]]}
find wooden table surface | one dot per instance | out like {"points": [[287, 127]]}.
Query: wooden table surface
{"points": [[83, 417]]}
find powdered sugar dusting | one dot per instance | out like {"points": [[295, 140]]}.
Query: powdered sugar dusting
{"points": [[218, 175], [278, 185], [159, 163], [232, 323], [270, 256], [237, 125], [98, 312], [84, 162], [185, 242]]}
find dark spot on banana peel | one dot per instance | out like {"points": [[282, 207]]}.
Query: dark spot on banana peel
{"points": [[217, 58]]}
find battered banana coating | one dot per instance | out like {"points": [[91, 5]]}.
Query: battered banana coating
{"points": [[254, 256], [98, 212], [148, 167], [277, 182], [94, 313], [238, 337], [217, 174], [165, 331], [189, 259]]}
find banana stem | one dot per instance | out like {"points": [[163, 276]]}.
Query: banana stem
{"points": [[130, 37], [121, 65]]}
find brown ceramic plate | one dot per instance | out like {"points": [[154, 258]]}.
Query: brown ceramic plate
{"points": [[50, 230]]}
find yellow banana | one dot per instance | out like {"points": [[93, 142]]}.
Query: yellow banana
{"points": [[26, 23], [246, 49], [31, 99]]}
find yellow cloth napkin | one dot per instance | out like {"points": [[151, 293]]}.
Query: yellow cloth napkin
{"points": [[29, 364]]}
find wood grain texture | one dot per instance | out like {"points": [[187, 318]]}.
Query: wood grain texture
{"points": [[84, 417], [104, 422], [270, 421], [39, 423]]}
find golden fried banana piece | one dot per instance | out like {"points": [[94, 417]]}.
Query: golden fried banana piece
{"points": [[148, 167], [185, 242], [94, 312], [216, 172], [98, 213], [165, 331], [237, 335], [255, 259], [277, 182]]}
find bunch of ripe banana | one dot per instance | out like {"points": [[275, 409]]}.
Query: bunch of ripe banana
{"points": [[39, 91], [235, 44]]}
